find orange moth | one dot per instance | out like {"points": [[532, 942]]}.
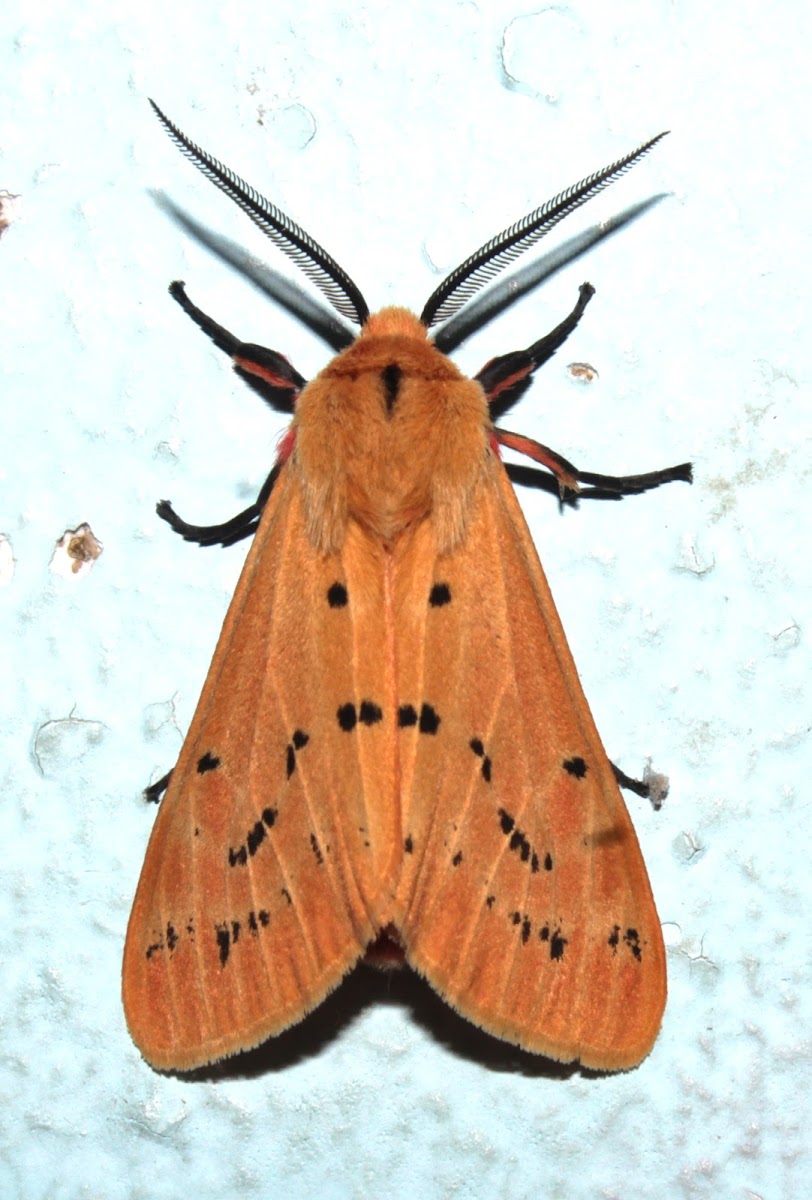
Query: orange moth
{"points": [[392, 754]]}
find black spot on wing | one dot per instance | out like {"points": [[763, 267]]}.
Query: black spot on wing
{"points": [[369, 713], [257, 920], [575, 767], [479, 750], [407, 715], [557, 944], [555, 940], [314, 846], [457, 859], [429, 720], [408, 844], [223, 935], [439, 595], [297, 742], [347, 717], [524, 925], [632, 939], [209, 762], [337, 595]]}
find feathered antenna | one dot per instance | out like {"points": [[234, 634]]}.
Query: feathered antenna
{"points": [[319, 266], [490, 259]]}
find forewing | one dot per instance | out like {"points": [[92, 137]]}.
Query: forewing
{"points": [[259, 887], [524, 898]]}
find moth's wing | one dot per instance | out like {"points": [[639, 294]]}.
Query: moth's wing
{"points": [[524, 899], [258, 889]]}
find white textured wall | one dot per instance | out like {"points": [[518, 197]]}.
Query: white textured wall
{"points": [[402, 136]]}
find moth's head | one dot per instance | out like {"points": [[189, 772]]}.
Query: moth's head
{"points": [[396, 344], [391, 372], [394, 352], [397, 321]]}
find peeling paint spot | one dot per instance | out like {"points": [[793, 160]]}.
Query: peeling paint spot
{"points": [[293, 124], [6, 561], [694, 559], [701, 964], [160, 715], [60, 744], [787, 638], [688, 848], [10, 206], [582, 371], [75, 552], [547, 54]]}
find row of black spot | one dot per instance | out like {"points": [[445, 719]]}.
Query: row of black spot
{"points": [[368, 713], [254, 839], [337, 596], [228, 932], [170, 938], [519, 843], [552, 937]]}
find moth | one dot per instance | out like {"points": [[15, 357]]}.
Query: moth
{"points": [[392, 755]]}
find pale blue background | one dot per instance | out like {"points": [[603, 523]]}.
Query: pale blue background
{"points": [[402, 136]]}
